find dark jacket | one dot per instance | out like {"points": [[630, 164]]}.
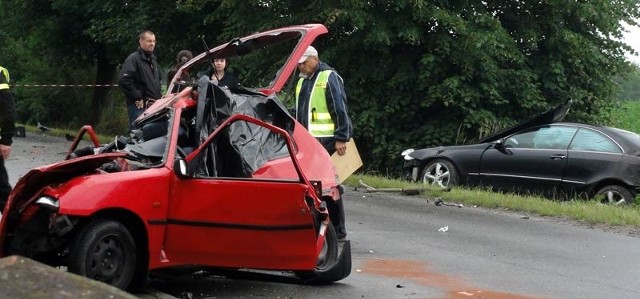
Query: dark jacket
{"points": [[229, 79], [336, 102], [140, 77], [7, 113]]}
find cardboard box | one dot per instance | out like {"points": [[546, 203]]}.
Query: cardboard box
{"points": [[348, 164]]}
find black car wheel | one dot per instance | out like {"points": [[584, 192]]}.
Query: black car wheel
{"points": [[104, 251], [440, 172], [330, 265], [615, 194]]}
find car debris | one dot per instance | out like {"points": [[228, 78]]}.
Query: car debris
{"points": [[440, 202], [209, 177], [405, 191]]}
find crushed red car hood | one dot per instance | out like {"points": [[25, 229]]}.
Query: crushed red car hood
{"points": [[46, 175]]}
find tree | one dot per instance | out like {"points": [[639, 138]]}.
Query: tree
{"points": [[630, 85], [418, 73], [84, 39], [425, 73]]}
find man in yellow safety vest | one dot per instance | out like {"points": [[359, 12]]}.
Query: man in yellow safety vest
{"points": [[7, 128], [321, 106]]}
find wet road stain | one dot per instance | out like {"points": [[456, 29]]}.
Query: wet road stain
{"points": [[418, 272]]}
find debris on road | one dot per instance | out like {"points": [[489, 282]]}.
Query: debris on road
{"points": [[405, 191], [444, 229], [43, 128], [440, 202]]}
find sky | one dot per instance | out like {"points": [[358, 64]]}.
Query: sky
{"points": [[632, 38]]}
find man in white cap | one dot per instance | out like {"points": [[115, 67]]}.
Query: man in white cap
{"points": [[321, 106]]}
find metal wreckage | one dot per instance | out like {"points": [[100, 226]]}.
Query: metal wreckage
{"points": [[211, 178]]}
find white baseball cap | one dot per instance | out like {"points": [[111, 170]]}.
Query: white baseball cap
{"points": [[311, 51]]}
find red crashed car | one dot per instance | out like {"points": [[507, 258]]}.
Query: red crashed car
{"points": [[210, 177]]}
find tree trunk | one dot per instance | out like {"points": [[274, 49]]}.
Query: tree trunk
{"points": [[105, 73]]}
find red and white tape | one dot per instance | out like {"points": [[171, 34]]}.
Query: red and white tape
{"points": [[64, 85]]}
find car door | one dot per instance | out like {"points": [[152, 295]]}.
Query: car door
{"points": [[593, 156], [225, 217], [529, 161]]}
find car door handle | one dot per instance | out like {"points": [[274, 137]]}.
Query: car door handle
{"points": [[558, 157]]}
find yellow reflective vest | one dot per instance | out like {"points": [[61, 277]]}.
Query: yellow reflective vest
{"points": [[5, 73], [319, 123]]}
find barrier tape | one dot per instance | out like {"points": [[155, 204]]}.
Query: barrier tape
{"points": [[63, 85]]}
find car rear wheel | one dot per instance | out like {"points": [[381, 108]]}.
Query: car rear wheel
{"points": [[333, 263], [104, 251], [615, 194], [440, 172]]}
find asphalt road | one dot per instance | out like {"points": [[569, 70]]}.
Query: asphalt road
{"points": [[406, 247]]}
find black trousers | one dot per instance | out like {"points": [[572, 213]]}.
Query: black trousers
{"points": [[336, 215], [335, 207], [5, 187]]}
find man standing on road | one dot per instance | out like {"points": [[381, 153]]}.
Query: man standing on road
{"points": [[140, 76], [321, 106], [7, 128]]}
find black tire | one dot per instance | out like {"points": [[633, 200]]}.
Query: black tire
{"points": [[104, 251], [615, 194], [440, 172], [324, 272]]}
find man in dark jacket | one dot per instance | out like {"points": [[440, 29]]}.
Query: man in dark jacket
{"points": [[321, 106], [140, 76], [7, 128]]}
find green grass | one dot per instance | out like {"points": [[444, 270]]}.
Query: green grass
{"points": [[591, 212], [626, 117], [62, 132], [585, 211]]}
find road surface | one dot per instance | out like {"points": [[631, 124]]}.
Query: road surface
{"points": [[406, 247]]}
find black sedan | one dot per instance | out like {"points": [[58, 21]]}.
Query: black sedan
{"points": [[541, 156]]}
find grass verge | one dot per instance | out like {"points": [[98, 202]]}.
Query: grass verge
{"points": [[63, 132], [584, 211]]}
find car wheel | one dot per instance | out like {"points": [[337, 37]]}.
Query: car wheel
{"points": [[104, 251], [333, 263], [615, 194], [440, 172]]}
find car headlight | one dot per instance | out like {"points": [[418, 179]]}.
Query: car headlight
{"points": [[406, 153], [48, 202]]}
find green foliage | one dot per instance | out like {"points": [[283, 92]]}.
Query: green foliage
{"points": [[418, 73], [455, 71], [52, 106], [115, 120], [626, 116], [630, 85], [79, 43]]}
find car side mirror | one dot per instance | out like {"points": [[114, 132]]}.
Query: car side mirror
{"points": [[180, 168], [498, 144]]}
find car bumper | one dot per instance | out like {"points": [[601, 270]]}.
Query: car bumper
{"points": [[410, 169]]}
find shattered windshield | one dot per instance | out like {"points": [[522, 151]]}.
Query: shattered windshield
{"points": [[149, 140]]}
